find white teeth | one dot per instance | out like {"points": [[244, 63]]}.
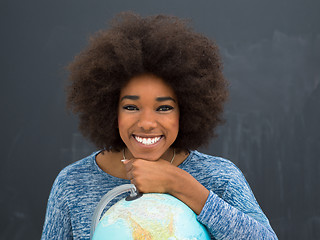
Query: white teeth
{"points": [[147, 141]]}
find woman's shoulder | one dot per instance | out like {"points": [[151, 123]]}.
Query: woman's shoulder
{"points": [[83, 165], [215, 173], [75, 172], [213, 161], [212, 165]]}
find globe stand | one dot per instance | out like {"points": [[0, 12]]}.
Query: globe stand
{"points": [[134, 194]]}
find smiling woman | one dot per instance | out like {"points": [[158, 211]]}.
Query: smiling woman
{"points": [[148, 92]]}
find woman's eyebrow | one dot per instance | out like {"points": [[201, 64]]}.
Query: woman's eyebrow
{"points": [[130, 97], [159, 99], [162, 99]]}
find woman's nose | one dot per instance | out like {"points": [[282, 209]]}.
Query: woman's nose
{"points": [[147, 121]]}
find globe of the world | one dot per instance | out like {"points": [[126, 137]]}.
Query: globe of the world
{"points": [[154, 217]]}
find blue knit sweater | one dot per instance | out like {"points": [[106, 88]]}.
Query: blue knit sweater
{"points": [[230, 212]]}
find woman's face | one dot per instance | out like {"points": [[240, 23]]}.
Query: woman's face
{"points": [[148, 117]]}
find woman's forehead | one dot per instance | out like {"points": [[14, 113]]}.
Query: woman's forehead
{"points": [[148, 85]]}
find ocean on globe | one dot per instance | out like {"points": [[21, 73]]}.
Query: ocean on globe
{"points": [[153, 216]]}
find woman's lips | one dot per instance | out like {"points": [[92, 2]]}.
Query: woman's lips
{"points": [[147, 141]]}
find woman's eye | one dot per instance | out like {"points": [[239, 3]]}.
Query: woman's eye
{"points": [[130, 108], [164, 108]]}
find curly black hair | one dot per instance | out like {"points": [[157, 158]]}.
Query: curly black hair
{"points": [[164, 46]]}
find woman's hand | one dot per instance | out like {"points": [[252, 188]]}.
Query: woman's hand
{"points": [[150, 176], [162, 177]]}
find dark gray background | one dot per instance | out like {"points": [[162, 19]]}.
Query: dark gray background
{"points": [[271, 51]]}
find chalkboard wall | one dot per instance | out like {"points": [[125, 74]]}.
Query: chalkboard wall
{"points": [[271, 54]]}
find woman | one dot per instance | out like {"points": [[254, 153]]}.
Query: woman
{"points": [[149, 91]]}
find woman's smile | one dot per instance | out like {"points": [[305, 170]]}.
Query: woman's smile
{"points": [[148, 117], [148, 141]]}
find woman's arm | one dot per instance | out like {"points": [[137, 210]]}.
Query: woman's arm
{"points": [[223, 220], [227, 222], [57, 223]]}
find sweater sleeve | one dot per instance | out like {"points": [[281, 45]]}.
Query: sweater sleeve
{"points": [[236, 214], [57, 223]]}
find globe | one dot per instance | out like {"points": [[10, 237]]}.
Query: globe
{"points": [[153, 216]]}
